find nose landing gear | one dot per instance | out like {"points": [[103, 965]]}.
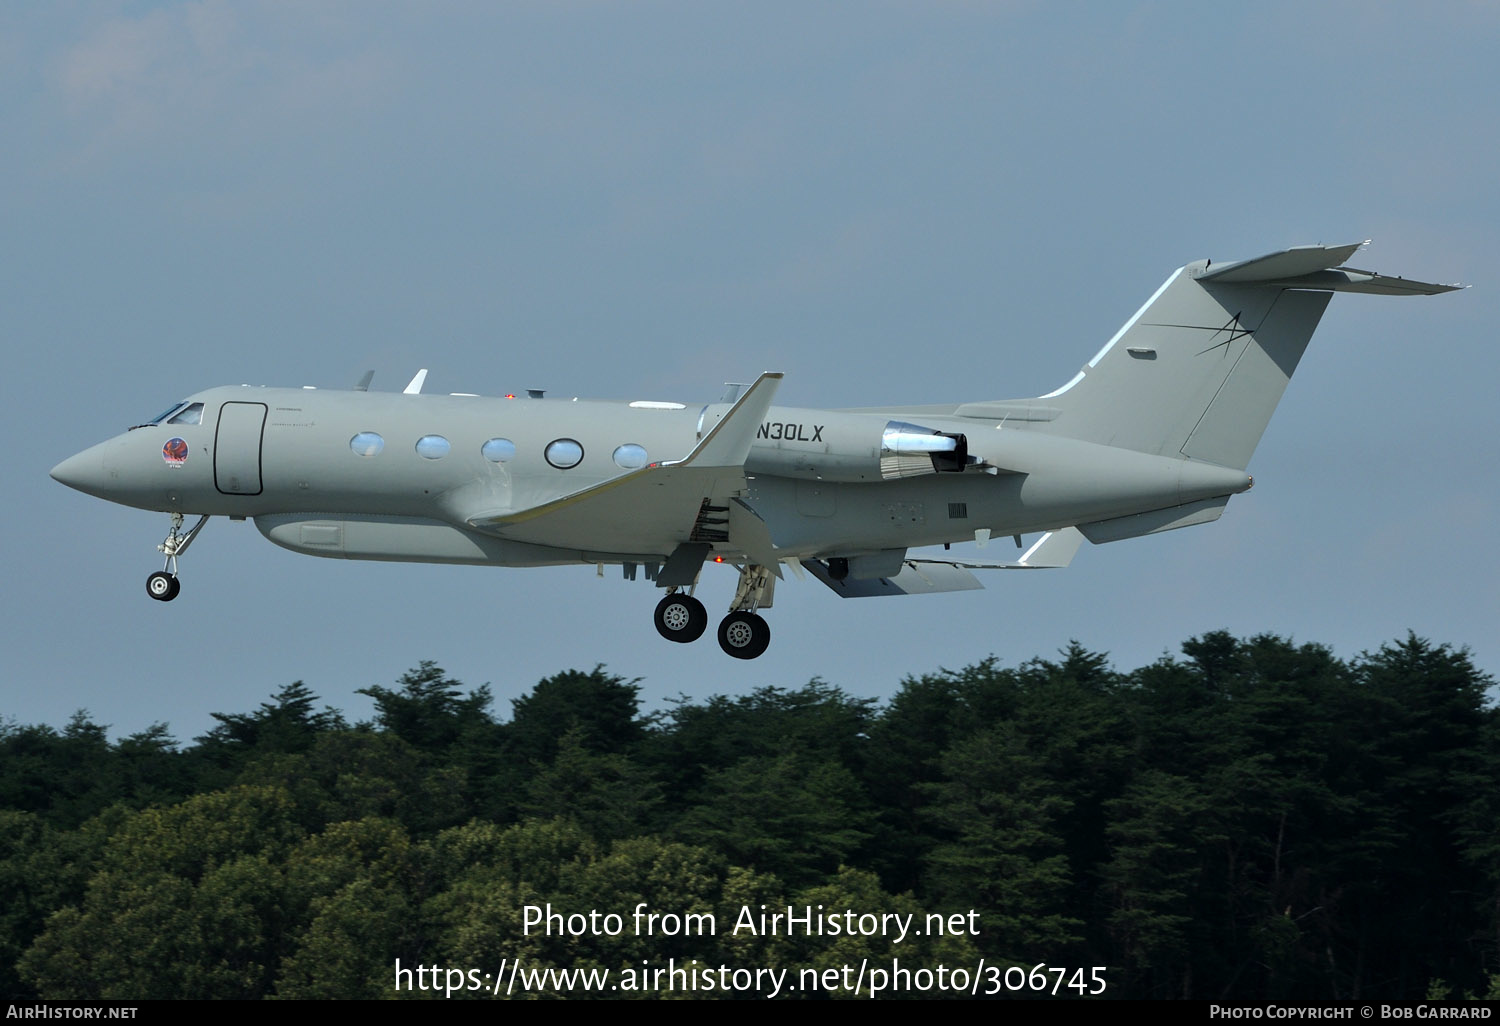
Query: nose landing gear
{"points": [[164, 585]]}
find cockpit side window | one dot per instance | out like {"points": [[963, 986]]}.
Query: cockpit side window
{"points": [[191, 414]]}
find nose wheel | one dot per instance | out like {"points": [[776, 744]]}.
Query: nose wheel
{"points": [[164, 585]]}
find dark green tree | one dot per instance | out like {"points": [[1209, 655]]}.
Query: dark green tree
{"points": [[288, 723], [1006, 858], [602, 709], [608, 794], [697, 739], [428, 710], [1440, 741], [185, 904], [795, 816]]}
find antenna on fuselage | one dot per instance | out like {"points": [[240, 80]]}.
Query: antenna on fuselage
{"points": [[364, 382], [415, 388]]}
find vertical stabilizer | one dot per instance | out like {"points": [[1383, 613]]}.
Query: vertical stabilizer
{"points": [[1199, 369]]}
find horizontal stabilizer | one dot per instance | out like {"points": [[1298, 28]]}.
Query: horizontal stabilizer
{"points": [[1348, 279], [1285, 263], [1315, 267]]}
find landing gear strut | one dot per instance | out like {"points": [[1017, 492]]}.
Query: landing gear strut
{"points": [[164, 585], [743, 633]]}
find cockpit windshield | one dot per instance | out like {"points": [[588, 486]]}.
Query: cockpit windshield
{"points": [[172, 414], [164, 414]]}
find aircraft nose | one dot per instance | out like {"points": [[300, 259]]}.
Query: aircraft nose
{"points": [[84, 471]]}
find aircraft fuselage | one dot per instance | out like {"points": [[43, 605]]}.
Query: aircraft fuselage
{"points": [[299, 462]]}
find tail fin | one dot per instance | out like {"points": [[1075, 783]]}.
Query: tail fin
{"points": [[1199, 369]]}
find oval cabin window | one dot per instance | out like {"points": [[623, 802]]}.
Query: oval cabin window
{"points": [[631, 456], [499, 450], [564, 454], [366, 443], [432, 447]]}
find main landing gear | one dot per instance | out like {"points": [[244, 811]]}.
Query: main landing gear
{"points": [[743, 633], [164, 585], [681, 618]]}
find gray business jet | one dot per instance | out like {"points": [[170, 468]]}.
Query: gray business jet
{"points": [[1153, 434]]}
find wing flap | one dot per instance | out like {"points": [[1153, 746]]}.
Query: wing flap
{"points": [[922, 576], [914, 579], [1052, 551]]}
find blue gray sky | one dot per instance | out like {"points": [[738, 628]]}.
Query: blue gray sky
{"points": [[891, 202]]}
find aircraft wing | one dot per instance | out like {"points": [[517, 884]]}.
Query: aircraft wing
{"points": [[922, 576], [656, 508]]}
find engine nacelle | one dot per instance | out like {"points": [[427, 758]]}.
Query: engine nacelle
{"points": [[824, 446]]}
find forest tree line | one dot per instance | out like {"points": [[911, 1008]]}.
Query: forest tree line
{"points": [[1254, 820]]}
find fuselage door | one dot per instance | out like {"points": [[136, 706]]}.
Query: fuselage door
{"points": [[237, 448]]}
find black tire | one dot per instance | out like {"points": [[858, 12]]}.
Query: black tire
{"points": [[681, 618], [744, 635], [162, 586]]}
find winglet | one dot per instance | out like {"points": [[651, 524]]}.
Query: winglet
{"points": [[728, 443], [415, 388]]}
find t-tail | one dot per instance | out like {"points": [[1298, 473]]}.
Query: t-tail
{"points": [[1199, 369]]}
